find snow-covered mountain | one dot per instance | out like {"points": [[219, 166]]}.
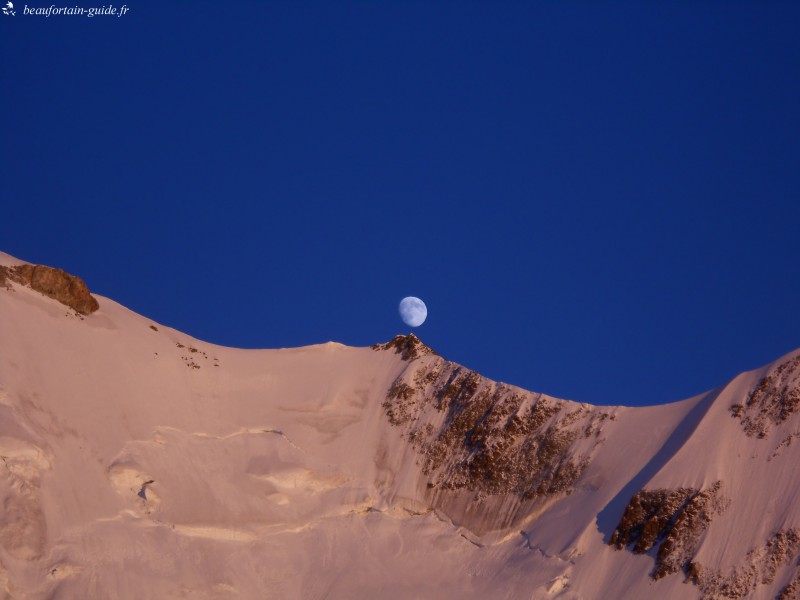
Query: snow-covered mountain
{"points": [[138, 462]]}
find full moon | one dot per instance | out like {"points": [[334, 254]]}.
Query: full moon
{"points": [[413, 311]]}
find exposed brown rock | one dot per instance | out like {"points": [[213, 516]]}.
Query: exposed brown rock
{"points": [[682, 539], [53, 283], [784, 443], [648, 516], [476, 435], [792, 590], [409, 346], [780, 549], [673, 520], [773, 400], [759, 567]]}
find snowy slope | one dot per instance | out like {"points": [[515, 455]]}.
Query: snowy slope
{"points": [[139, 462]]}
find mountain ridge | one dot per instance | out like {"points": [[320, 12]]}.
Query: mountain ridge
{"points": [[358, 471]]}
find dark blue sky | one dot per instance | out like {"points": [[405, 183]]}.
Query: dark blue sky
{"points": [[595, 200]]}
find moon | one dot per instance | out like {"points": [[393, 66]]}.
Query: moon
{"points": [[413, 311]]}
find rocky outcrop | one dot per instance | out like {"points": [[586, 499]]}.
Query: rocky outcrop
{"points": [[53, 283], [759, 567], [409, 347], [490, 439], [792, 590], [648, 517], [784, 443], [673, 520], [772, 401]]}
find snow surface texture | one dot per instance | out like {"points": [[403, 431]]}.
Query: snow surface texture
{"points": [[138, 462]]}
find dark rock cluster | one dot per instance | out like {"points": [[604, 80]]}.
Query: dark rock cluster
{"points": [[473, 434], [673, 520], [772, 401], [53, 283], [490, 443], [759, 567], [408, 346], [792, 590]]}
